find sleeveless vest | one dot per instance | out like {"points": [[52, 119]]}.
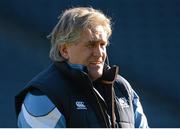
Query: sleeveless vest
{"points": [[79, 99]]}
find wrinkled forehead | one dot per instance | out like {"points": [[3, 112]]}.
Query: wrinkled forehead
{"points": [[96, 33]]}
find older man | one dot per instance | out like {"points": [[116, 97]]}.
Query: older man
{"points": [[79, 89]]}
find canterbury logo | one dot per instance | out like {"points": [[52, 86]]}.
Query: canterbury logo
{"points": [[80, 105]]}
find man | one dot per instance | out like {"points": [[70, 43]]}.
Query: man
{"points": [[79, 89]]}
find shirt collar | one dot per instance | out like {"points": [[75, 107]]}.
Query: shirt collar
{"points": [[78, 67]]}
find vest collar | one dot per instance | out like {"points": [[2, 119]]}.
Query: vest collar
{"points": [[75, 71]]}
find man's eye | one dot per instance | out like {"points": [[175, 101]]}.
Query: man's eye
{"points": [[103, 44]]}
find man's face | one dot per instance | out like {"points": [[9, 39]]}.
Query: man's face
{"points": [[89, 51]]}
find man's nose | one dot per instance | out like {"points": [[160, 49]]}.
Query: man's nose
{"points": [[97, 50]]}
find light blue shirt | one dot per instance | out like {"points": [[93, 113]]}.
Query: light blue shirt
{"points": [[38, 111]]}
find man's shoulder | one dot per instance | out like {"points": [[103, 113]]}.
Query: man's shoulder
{"points": [[47, 77], [122, 81], [122, 85], [47, 73]]}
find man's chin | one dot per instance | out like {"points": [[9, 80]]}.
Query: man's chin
{"points": [[95, 73]]}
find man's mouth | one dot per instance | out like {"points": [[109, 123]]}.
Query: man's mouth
{"points": [[95, 62]]}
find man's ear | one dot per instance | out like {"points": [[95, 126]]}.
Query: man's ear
{"points": [[63, 50]]}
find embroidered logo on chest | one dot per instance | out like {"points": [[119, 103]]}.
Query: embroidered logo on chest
{"points": [[123, 102], [80, 105]]}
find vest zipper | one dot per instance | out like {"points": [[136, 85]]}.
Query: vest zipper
{"points": [[101, 109], [105, 121]]}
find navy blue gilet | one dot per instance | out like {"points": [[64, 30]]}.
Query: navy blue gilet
{"points": [[78, 99]]}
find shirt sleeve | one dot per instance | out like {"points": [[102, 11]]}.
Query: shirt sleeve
{"points": [[140, 118], [38, 111]]}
